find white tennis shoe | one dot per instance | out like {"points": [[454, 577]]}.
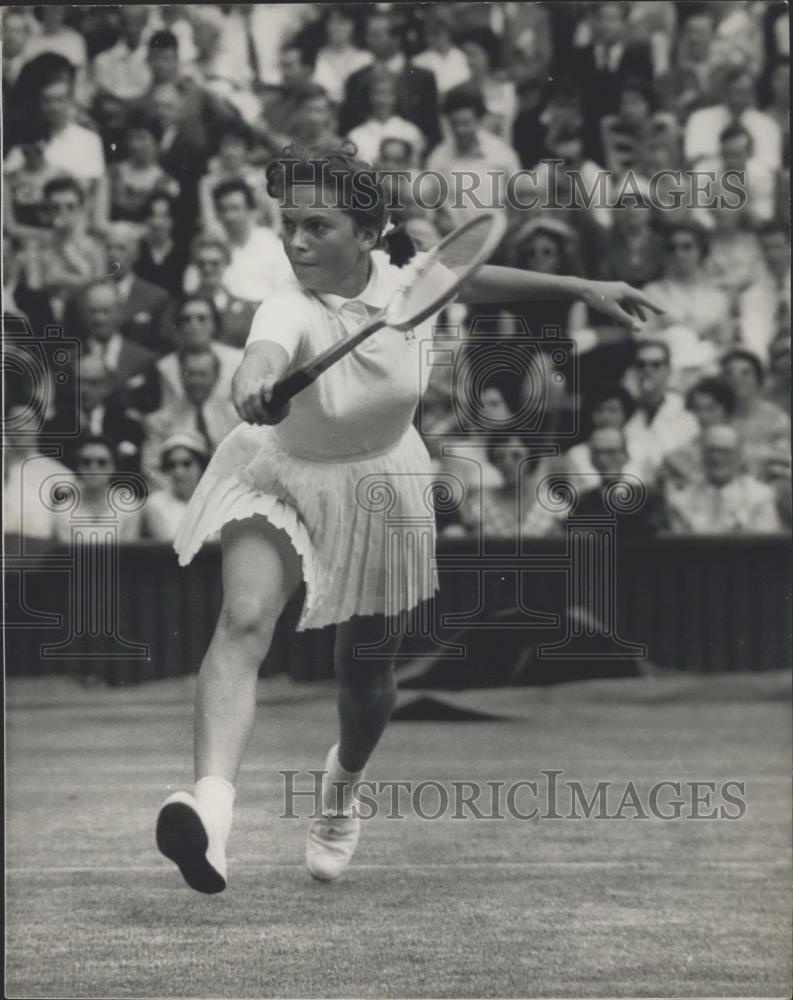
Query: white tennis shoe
{"points": [[195, 840], [331, 844]]}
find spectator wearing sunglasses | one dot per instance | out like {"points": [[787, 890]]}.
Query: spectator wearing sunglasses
{"points": [[71, 257], [197, 325], [690, 297], [183, 458], [95, 468], [660, 423]]}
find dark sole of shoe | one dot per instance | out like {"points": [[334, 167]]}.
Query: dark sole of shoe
{"points": [[181, 837]]}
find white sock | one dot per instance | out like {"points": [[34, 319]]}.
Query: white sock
{"points": [[217, 796], [337, 786]]}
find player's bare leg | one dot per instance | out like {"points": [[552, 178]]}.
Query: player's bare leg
{"points": [[260, 573], [367, 693]]}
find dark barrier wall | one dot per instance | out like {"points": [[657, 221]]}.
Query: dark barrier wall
{"points": [[697, 604]]}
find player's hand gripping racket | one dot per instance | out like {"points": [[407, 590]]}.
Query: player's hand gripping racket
{"points": [[429, 282]]}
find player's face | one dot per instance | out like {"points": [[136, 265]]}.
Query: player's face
{"points": [[326, 249]]}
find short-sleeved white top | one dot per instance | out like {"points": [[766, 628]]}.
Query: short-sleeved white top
{"points": [[365, 402]]}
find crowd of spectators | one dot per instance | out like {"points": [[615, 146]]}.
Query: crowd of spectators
{"points": [[137, 218]]}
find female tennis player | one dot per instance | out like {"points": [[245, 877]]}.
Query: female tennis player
{"points": [[286, 489]]}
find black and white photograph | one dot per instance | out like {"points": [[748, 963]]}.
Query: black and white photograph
{"points": [[397, 500]]}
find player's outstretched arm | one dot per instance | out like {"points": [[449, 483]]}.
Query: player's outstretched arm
{"points": [[616, 299]]}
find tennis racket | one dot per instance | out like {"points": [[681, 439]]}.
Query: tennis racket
{"points": [[429, 281]]}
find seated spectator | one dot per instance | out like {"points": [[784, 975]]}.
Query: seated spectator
{"points": [[660, 424], [131, 365], [95, 467], [735, 258], [19, 300], [123, 70], [69, 148], [396, 162], [56, 36], [125, 190], [17, 33], [70, 258], [611, 407], [483, 51], [632, 250], [161, 261], [183, 458], [736, 154], [602, 67], [202, 110], [196, 326], [184, 147], [200, 407], [258, 261], [442, 57], [339, 57], [608, 457], [145, 308], [764, 307], [725, 501], [779, 106], [417, 95], [695, 73], [691, 299], [28, 477], [777, 386], [211, 257], [712, 402], [314, 125], [25, 207], [232, 163], [704, 127], [100, 413], [499, 510], [471, 148], [637, 125], [762, 427], [383, 123], [281, 104]]}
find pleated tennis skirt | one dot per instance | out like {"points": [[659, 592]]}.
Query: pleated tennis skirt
{"points": [[363, 527]]}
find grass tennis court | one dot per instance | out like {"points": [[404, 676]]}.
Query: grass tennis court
{"points": [[479, 908]]}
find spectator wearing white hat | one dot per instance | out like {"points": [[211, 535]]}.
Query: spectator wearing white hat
{"points": [[183, 458]]}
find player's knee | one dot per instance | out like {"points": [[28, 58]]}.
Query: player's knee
{"points": [[247, 618]]}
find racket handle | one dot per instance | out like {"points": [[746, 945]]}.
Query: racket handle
{"points": [[288, 387]]}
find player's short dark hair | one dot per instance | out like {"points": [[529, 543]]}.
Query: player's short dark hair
{"points": [[232, 186], [717, 389], [741, 354], [64, 182], [462, 97], [164, 40]]}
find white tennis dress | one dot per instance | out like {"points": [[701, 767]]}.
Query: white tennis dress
{"points": [[345, 475]]}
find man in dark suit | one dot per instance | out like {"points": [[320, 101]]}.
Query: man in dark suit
{"points": [[145, 309], [602, 67], [133, 376], [99, 414], [416, 91]]}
